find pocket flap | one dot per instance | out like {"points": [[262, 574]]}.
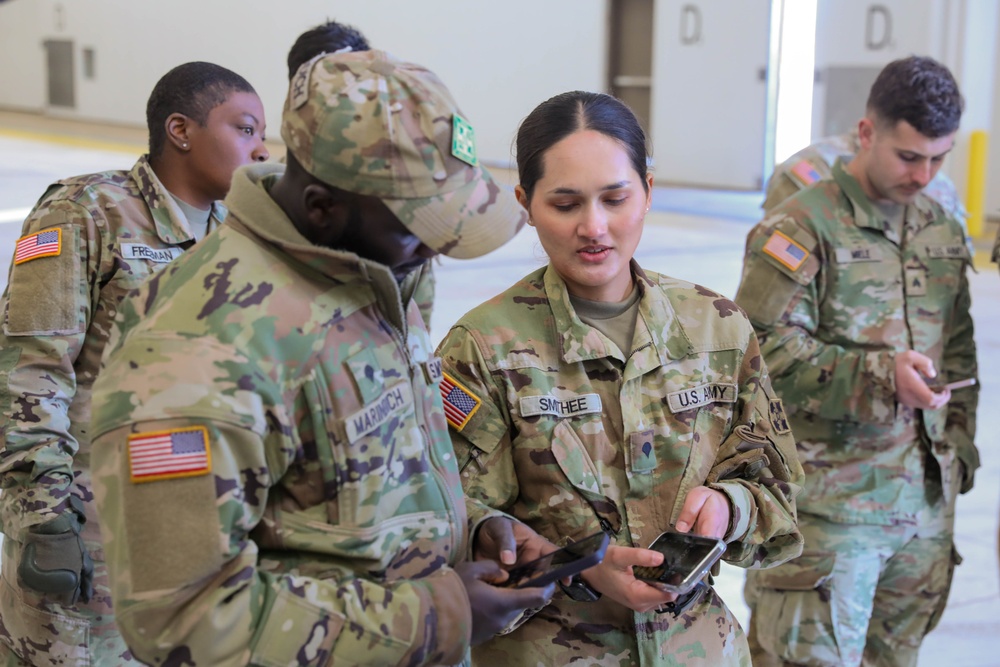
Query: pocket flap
{"points": [[805, 573]]}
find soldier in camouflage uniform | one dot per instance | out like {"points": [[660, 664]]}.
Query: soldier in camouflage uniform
{"points": [[857, 288], [334, 37], [272, 465], [88, 241], [622, 401], [815, 163]]}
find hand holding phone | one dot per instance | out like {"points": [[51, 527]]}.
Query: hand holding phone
{"points": [[560, 564], [951, 386], [687, 559]]}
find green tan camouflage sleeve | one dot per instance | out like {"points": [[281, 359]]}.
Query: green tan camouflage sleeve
{"points": [[959, 362], [779, 188], [758, 469], [46, 308], [782, 301], [482, 444], [191, 585]]}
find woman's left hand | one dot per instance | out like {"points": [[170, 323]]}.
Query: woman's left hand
{"points": [[705, 512]]}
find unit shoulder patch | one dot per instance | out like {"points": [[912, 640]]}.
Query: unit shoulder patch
{"points": [[778, 418]]}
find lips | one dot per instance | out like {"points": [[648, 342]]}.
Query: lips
{"points": [[594, 253]]}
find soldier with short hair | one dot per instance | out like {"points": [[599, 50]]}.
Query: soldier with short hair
{"points": [[272, 466], [857, 288], [89, 241], [815, 163]]}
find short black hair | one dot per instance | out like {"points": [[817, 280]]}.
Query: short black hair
{"points": [[193, 89], [920, 91], [324, 38], [558, 117]]}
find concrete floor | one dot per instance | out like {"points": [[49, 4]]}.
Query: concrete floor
{"points": [[706, 249]]}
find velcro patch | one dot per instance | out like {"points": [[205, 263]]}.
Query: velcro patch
{"points": [[958, 251], [46, 243], [785, 250], [582, 404], [778, 418], [172, 454], [143, 251], [459, 403], [805, 173], [858, 254], [432, 370], [393, 401], [703, 394]]}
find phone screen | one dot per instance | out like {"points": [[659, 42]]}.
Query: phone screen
{"points": [[686, 559], [565, 562]]}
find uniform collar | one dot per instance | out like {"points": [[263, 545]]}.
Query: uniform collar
{"points": [[253, 209], [919, 213], [658, 330], [170, 222]]}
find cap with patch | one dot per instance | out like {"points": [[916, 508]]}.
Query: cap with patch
{"points": [[374, 125]]}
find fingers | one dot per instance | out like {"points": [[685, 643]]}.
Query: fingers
{"points": [[527, 598], [495, 541], [483, 570], [707, 510], [622, 558]]}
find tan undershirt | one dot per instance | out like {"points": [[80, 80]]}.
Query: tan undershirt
{"points": [[616, 320]]}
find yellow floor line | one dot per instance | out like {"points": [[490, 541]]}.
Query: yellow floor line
{"points": [[77, 142]]}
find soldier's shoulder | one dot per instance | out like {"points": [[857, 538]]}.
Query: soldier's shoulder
{"points": [[718, 316]]}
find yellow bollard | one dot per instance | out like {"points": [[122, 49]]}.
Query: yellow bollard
{"points": [[976, 194]]}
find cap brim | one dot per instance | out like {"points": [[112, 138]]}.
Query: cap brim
{"points": [[468, 222]]}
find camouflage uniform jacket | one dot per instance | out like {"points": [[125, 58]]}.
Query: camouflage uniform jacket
{"points": [[815, 163], [834, 294], [116, 228], [325, 507], [572, 438]]}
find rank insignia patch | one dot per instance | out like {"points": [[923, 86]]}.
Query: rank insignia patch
{"points": [[46, 243], [459, 403], [171, 454], [785, 250], [778, 419]]}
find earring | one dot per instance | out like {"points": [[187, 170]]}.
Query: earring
{"points": [[184, 145]]}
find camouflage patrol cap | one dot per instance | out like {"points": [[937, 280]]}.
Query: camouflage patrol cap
{"points": [[371, 124]]}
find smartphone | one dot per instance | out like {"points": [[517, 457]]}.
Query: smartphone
{"points": [[565, 562], [687, 559], [958, 384]]}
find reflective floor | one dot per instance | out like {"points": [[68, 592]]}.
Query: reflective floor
{"points": [[706, 249]]}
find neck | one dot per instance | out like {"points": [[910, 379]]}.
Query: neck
{"points": [[857, 168], [172, 172]]}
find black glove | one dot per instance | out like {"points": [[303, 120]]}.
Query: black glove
{"points": [[55, 562]]}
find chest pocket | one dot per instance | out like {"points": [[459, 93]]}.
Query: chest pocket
{"points": [[132, 264]]}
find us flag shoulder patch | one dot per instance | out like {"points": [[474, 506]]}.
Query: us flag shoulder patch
{"points": [[459, 403], [785, 250], [172, 454], [805, 173], [46, 243]]}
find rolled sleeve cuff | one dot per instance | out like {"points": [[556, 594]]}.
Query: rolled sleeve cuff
{"points": [[741, 508]]}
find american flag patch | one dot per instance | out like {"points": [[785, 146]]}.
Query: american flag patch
{"points": [[785, 250], [45, 243], [805, 173], [182, 452], [459, 403]]}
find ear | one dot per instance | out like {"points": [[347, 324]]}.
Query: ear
{"points": [[649, 190], [866, 132], [325, 215], [178, 126], [522, 197]]}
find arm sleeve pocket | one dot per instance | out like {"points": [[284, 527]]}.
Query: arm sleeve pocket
{"points": [[806, 573]]}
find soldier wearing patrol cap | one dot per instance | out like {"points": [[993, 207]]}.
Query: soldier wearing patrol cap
{"points": [[89, 240], [272, 466], [857, 288], [595, 396], [334, 37], [815, 163]]}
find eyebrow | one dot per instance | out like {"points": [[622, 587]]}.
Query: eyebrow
{"points": [[919, 154], [247, 114], [571, 191]]}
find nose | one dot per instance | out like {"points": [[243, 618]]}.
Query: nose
{"points": [[593, 223], [260, 153], [924, 172]]}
